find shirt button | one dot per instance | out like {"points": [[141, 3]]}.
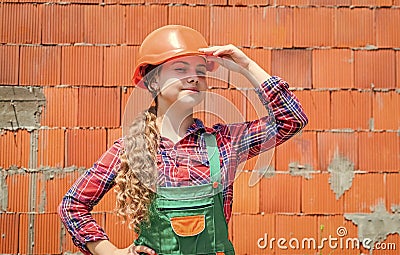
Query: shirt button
{"points": [[215, 185]]}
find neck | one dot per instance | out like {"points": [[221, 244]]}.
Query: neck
{"points": [[174, 123]]}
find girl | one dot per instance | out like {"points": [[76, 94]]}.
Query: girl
{"points": [[173, 175]]}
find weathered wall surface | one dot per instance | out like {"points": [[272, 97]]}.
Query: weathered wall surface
{"points": [[65, 70]]}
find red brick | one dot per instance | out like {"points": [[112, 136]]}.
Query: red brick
{"points": [[56, 186], [261, 56], [313, 27], [291, 2], [248, 2], [51, 149], [234, 23], [379, 151], [9, 223], [86, 1], [61, 108], [329, 227], [21, 23], [294, 66], [392, 190], [354, 27], [330, 2], [196, 17], [317, 196], [134, 102], [301, 149], [247, 198], [331, 145], [40, 65], [316, 105], [248, 229], [119, 64], [298, 227], [82, 65], [18, 148], [105, 24], [137, 27], [371, 2], [63, 24], [374, 68], [367, 191], [280, 193], [99, 107], [85, 146], [396, 2], [207, 2], [332, 68], [124, 1], [272, 27], [47, 231], [18, 187], [112, 135], [382, 110], [23, 231], [345, 102], [398, 68], [386, 31], [120, 235], [9, 64]]}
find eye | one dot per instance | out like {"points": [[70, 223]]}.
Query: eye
{"points": [[180, 70], [201, 72]]}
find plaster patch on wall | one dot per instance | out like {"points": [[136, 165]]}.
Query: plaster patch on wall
{"points": [[342, 175], [395, 208], [20, 107], [375, 226], [295, 169], [3, 191]]}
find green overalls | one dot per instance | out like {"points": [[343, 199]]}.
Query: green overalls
{"points": [[189, 220]]}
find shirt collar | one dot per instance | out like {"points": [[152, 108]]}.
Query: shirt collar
{"points": [[199, 125]]}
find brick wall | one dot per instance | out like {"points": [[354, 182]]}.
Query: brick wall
{"points": [[341, 58]]}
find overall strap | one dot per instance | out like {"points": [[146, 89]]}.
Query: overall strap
{"points": [[213, 158]]}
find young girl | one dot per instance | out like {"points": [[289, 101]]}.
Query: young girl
{"points": [[179, 205]]}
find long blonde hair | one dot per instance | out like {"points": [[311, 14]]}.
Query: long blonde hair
{"points": [[138, 170]]}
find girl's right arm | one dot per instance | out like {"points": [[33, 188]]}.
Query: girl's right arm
{"points": [[84, 194]]}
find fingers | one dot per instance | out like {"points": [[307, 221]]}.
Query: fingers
{"points": [[219, 50], [135, 250]]}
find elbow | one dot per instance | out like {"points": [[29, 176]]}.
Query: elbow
{"points": [[303, 121]]}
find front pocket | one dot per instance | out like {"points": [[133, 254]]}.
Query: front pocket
{"points": [[188, 225]]}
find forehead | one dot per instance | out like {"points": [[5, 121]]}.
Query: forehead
{"points": [[188, 60]]}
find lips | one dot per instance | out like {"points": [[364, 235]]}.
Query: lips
{"points": [[191, 89]]}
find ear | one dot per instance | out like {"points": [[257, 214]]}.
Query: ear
{"points": [[154, 86]]}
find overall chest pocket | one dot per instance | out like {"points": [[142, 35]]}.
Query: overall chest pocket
{"points": [[186, 226]]}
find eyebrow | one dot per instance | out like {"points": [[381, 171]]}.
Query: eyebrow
{"points": [[186, 63]]}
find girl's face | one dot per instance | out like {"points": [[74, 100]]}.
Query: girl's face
{"points": [[182, 81]]}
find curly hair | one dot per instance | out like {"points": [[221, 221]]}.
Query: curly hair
{"points": [[138, 170]]}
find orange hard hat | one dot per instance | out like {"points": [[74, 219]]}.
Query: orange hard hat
{"points": [[168, 42]]}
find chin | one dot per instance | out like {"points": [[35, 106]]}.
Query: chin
{"points": [[191, 100]]}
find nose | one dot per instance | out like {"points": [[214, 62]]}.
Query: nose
{"points": [[193, 80]]}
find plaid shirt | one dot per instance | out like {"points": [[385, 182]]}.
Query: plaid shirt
{"points": [[186, 163]]}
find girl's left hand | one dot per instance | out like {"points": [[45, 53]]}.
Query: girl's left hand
{"points": [[232, 54]]}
